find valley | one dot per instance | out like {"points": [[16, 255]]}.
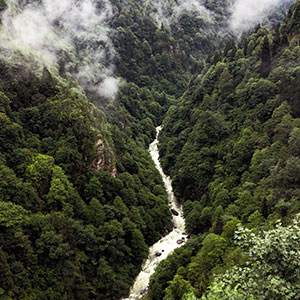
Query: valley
{"points": [[88, 210]]}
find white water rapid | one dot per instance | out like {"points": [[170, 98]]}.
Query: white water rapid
{"points": [[176, 238]]}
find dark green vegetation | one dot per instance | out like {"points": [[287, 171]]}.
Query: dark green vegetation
{"points": [[70, 228], [231, 145], [80, 198], [162, 57], [81, 201]]}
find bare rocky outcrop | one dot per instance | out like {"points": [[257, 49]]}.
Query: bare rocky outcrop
{"points": [[99, 162], [113, 172], [121, 125], [103, 159]]}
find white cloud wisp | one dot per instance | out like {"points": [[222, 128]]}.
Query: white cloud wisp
{"points": [[44, 30]]}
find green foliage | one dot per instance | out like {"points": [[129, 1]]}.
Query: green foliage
{"points": [[265, 66], [11, 214], [210, 255], [221, 290], [225, 144], [6, 280], [270, 273], [230, 145], [167, 269], [78, 191], [80, 199], [177, 288]]}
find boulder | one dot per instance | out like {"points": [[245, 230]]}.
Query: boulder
{"points": [[157, 254], [174, 212], [179, 242], [169, 227]]}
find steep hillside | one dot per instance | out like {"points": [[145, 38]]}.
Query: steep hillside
{"points": [[79, 194], [231, 147], [80, 199], [83, 84]]}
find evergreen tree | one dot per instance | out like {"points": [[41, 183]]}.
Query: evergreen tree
{"points": [[265, 67], [276, 40]]}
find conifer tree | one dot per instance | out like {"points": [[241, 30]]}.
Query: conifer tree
{"points": [[265, 67], [276, 40]]}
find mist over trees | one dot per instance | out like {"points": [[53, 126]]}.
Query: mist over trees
{"points": [[83, 84], [228, 145]]}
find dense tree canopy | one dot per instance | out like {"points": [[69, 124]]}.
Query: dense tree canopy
{"points": [[230, 145], [80, 198]]}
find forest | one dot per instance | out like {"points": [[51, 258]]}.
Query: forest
{"points": [[81, 201], [230, 145]]}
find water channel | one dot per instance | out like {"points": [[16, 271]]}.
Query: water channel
{"points": [[176, 238]]}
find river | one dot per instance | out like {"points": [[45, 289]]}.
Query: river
{"points": [[176, 238]]}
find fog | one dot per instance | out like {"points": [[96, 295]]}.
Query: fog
{"points": [[192, 6], [241, 15], [169, 10], [54, 29], [248, 13], [74, 35]]}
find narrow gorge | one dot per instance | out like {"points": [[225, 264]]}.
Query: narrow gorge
{"points": [[174, 239], [85, 213]]}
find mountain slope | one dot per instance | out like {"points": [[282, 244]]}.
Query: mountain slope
{"points": [[83, 84], [231, 147]]}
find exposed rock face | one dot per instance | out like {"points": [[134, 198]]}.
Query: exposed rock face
{"points": [[103, 159], [113, 173], [121, 125], [99, 162]]}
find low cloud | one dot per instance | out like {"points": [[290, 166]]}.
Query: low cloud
{"points": [[52, 29], [109, 87], [236, 15], [192, 6], [248, 13], [166, 11]]}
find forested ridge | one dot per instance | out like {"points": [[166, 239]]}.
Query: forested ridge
{"points": [[71, 228], [80, 198], [231, 146]]}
